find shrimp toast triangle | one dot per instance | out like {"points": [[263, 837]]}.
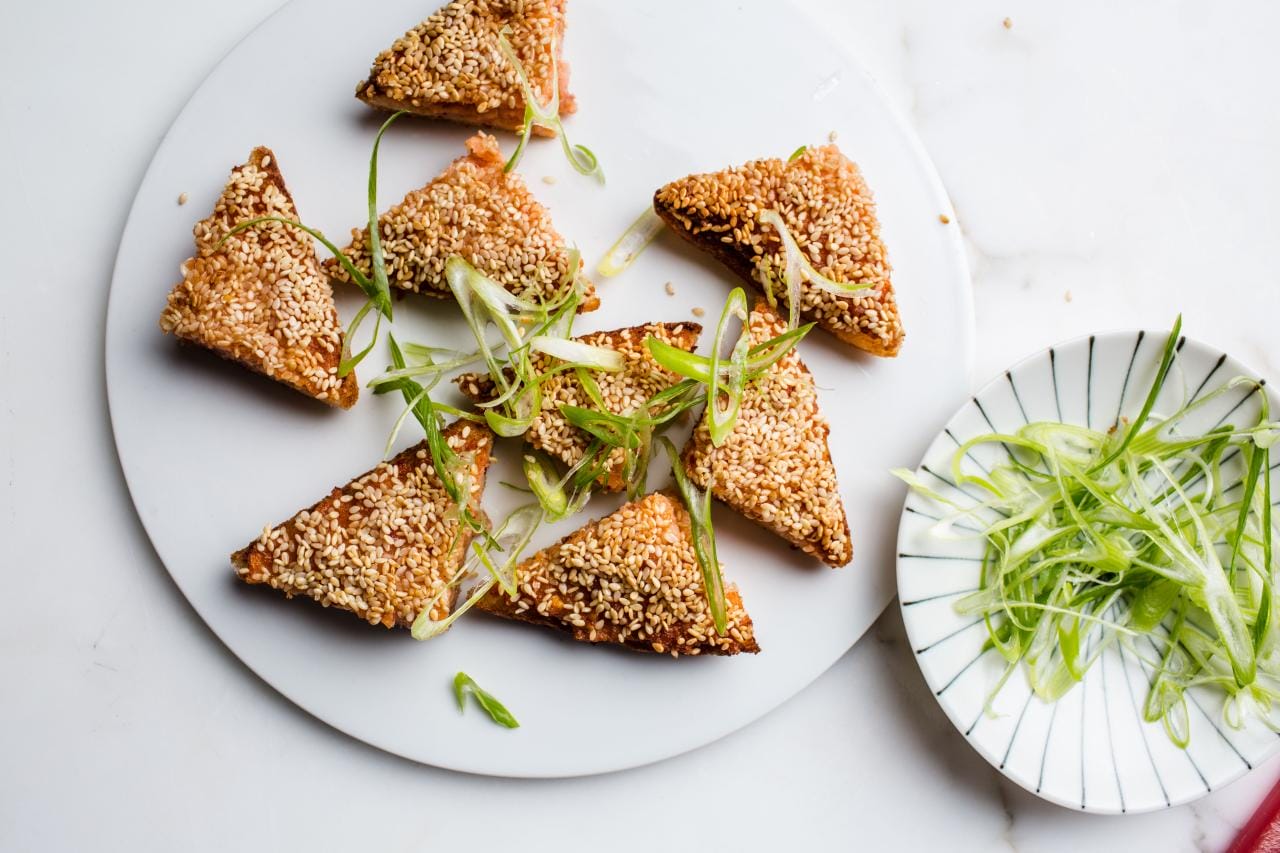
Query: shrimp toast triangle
{"points": [[450, 67], [258, 297], [775, 467], [828, 210], [384, 545]]}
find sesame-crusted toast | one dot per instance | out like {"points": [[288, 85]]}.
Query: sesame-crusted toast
{"points": [[382, 546], [481, 213], [828, 209], [775, 467], [259, 298], [450, 66], [630, 578], [622, 392]]}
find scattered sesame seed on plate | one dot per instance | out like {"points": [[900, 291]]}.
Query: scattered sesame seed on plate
{"points": [[699, 311], [669, 288], [1008, 23], [182, 198], [944, 219], [449, 66]]}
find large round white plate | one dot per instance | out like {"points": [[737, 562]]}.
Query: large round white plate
{"points": [[1091, 749], [664, 88]]}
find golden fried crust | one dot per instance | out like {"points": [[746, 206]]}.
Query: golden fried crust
{"points": [[830, 212], [477, 211], [622, 392], [259, 298], [775, 467], [382, 546], [450, 66], [631, 579]]}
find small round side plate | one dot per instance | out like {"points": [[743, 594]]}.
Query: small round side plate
{"points": [[1091, 749]]}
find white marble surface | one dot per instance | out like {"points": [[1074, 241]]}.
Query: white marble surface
{"points": [[1123, 156]]}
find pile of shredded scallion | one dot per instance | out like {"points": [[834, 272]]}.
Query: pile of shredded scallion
{"points": [[1151, 535]]}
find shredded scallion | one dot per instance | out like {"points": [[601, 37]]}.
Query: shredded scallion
{"points": [[698, 504], [1136, 536], [463, 683], [633, 241], [797, 271], [547, 115]]}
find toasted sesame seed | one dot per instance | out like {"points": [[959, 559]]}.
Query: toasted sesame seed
{"points": [[383, 546], [182, 198], [699, 311], [259, 298], [833, 136], [477, 211], [548, 179], [944, 219], [630, 578], [669, 288], [1067, 296], [775, 467], [828, 209], [1007, 23]]}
